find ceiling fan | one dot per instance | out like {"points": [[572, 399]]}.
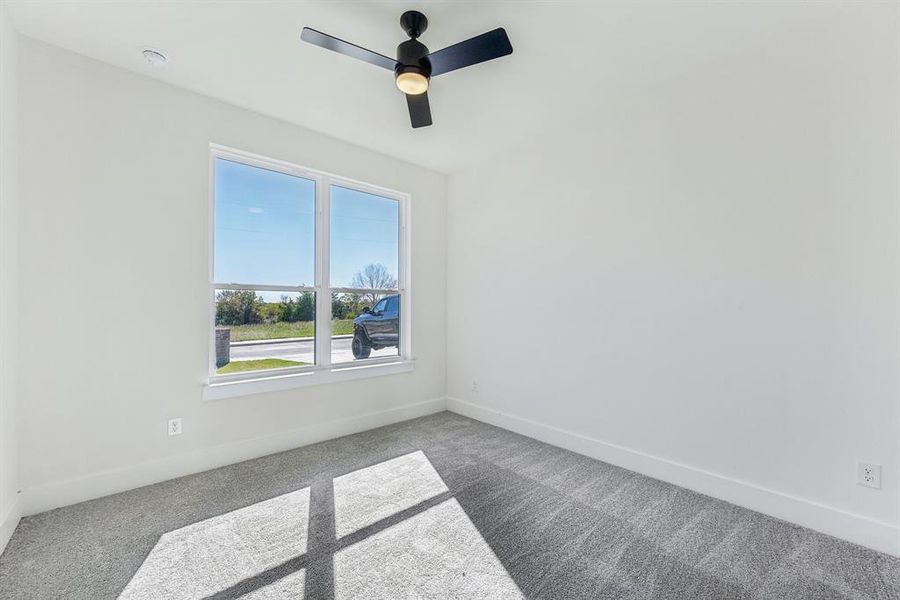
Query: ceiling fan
{"points": [[415, 66]]}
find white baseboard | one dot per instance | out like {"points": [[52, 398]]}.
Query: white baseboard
{"points": [[8, 523], [71, 491], [825, 519]]}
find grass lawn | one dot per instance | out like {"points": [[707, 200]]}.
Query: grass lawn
{"points": [[274, 331], [238, 366]]}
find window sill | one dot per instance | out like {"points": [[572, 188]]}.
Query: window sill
{"points": [[262, 383]]}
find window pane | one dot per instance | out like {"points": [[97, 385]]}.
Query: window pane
{"points": [[364, 326], [264, 330], [365, 234], [265, 226]]}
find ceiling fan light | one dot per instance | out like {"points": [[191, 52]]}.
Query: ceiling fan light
{"points": [[412, 83]]}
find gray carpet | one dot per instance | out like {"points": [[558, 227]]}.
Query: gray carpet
{"points": [[441, 507]]}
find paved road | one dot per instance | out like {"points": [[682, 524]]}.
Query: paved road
{"points": [[302, 351]]}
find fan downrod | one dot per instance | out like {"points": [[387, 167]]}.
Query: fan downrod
{"points": [[413, 23]]}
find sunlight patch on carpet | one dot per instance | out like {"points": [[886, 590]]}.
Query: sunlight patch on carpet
{"points": [[369, 495], [214, 554], [436, 554]]}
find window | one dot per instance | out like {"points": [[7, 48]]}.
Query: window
{"points": [[307, 275]]}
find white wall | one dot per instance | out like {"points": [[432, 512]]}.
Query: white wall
{"points": [[9, 485], [113, 283], [700, 281]]}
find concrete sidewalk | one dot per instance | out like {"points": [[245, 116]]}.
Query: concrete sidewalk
{"points": [[288, 340]]}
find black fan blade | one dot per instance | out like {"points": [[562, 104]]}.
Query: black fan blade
{"points": [[480, 48], [330, 42], [419, 110]]}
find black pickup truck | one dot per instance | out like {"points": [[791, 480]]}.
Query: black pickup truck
{"points": [[377, 328]]}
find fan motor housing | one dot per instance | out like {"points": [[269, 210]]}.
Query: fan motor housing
{"points": [[412, 55]]}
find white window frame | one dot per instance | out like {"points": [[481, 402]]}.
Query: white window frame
{"points": [[239, 384]]}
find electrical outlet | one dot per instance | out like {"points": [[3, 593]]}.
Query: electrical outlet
{"points": [[175, 426], [474, 387], [868, 475]]}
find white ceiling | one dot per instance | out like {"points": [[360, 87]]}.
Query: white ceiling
{"points": [[569, 59]]}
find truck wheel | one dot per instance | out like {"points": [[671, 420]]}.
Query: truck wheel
{"points": [[360, 348]]}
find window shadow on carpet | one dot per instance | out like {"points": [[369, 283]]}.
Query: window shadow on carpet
{"points": [[389, 530]]}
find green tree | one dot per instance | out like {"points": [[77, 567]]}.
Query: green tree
{"points": [[306, 307], [286, 309], [345, 306], [238, 307], [270, 312]]}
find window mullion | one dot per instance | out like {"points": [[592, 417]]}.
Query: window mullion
{"points": [[263, 287], [403, 281], [323, 295]]}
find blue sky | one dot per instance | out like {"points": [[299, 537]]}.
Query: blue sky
{"points": [[265, 228]]}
